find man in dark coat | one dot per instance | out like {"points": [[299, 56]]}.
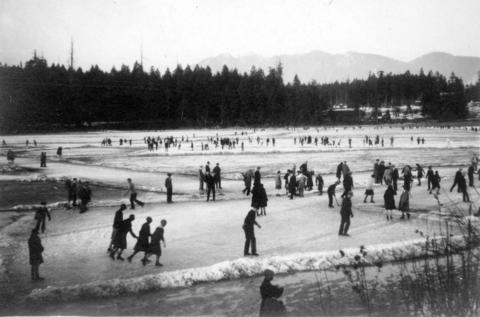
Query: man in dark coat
{"points": [[429, 177], [319, 183], [270, 305], [339, 170], [120, 242], [35, 250], [217, 176], [169, 187], [470, 172], [248, 228], [381, 170], [257, 177], [210, 185], [420, 173], [201, 178], [375, 171], [395, 177], [143, 244], [462, 185], [155, 247], [292, 185], [117, 221], [40, 215], [345, 213], [436, 183], [247, 179], [331, 193], [347, 183], [85, 195]]}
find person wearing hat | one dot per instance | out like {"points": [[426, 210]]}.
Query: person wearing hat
{"points": [[143, 244], [345, 213], [120, 242], [35, 250], [155, 247], [270, 305], [168, 186], [248, 228], [40, 215], [117, 221], [257, 177]]}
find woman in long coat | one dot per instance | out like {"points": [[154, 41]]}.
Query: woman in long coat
{"points": [[389, 201], [155, 247], [404, 204], [35, 249], [262, 200]]}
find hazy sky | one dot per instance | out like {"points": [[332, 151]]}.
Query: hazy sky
{"points": [[110, 32]]}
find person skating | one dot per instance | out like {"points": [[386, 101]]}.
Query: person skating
{"points": [[248, 228], [292, 185], [347, 183], [41, 215], [209, 180], [429, 177], [404, 204], [375, 170], [270, 305], [217, 176], [389, 200], [117, 221], [278, 183], [35, 250], [120, 242], [436, 183], [143, 244], [339, 170], [262, 201], [133, 194], [470, 172], [395, 177], [462, 185], [157, 237], [331, 193], [345, 213], [43, 159], [419, 174], [247, 179], [169, 187], [319, 183], [369, 189], [85, 195], [257, 177]]}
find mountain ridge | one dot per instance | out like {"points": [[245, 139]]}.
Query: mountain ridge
{"points": [[323, 67]]}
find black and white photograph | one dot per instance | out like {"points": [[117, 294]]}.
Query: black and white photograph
{"points": [[240, 158]]}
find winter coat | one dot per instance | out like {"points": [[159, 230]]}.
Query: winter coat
{"points": [[339, 170], [389, 199], [278, 182], [157, 236], [346, 210], [404, 203], [142, 241], [35, 249], [270, 305]]}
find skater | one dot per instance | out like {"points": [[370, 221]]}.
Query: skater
{"points": [[331, 193], [347, 183], [262, 200], [248, 228], [210, 185], [369, 189], [462, 185], [43, 159], [429, 177], [35, 250], [247, 179], [117, 221], [292, 185], [168, 186], [278, 184], [387, 175], [389, 200], [59, 151], [436, 183], [120, 242], [375, 170], [419, 174], [85, 195], [407, 178], [142, 244], [133, 194], [301, 180], [319, 183], [346, 213], [257, 179], [201, 178], [40, 215], [404, 204], [339, 170], [270, 305], [217, 176], [155, 247], [10, 156], [470, 171]]}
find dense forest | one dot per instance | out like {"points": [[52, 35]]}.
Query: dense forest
{"points": [[36, 96]]}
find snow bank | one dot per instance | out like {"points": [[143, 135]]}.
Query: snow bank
{"points": [[243, 267]]}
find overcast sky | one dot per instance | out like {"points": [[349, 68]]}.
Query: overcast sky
{"points": [[110, 32]]}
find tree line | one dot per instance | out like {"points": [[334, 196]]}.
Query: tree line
{"points": [[36, 95]]}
